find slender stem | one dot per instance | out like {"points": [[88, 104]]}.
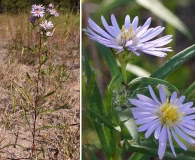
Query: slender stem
{"points": [[36, 98], [124, 72]]}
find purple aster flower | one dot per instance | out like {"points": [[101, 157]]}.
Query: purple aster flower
{"points": [[131, 37], [46, 25], [38, 7], [168, 118], [48, 34], [32, 19], [51, 5], [53, 12], [38, 10]]}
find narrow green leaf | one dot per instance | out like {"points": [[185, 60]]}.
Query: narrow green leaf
{"points": [[94, 98], [104, 121], [150, 81], [153, 151], [95, 105], [172, 64], [155, 6], [55, 109], [43, 59], [111, 62], [25, 94], [50, 127], [105, 139], [190, 90], [113, 81], [49, 94], [29, 78], [86, 66]]}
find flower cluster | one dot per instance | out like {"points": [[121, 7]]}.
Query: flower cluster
{"points": [[168, 118], [39, 11], [131, 36], [52, 10]]}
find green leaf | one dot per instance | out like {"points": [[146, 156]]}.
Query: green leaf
{"points": [[175, 62], [104, 121], [190, 90], [158, 9], [152, 150], [50, 127], [29, 78], [49, 94], [25, 95], [128, 121], [113, 81], [150, 81], [43, 59], [111, 62], [170, 66], [86, 65], [54, 110]]}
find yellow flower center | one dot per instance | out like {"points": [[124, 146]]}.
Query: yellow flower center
{"points": [[127, 35], [170, 114]]}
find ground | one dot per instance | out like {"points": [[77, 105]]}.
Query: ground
{"points": [[62, 139]]}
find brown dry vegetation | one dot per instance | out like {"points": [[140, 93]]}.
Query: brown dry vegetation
{"points": [[15, 137]]}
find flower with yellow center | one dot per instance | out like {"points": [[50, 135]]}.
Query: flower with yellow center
{"points": [[167, 118], [130, 36]]}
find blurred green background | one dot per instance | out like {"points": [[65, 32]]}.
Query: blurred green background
{"points": [[178, 18]]}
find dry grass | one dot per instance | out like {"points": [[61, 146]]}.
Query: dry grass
{"points": [[60, 142]]}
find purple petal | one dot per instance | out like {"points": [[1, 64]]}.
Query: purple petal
{"points": [[152, 128], [170, 141], [115, 24], [162, 94], [153, 95], [162, 142], [127, 22], [173, 97], [177, 140], [180, 101]]}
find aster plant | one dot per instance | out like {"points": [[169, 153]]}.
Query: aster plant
{"points": [[127, 115], [42, 24]]}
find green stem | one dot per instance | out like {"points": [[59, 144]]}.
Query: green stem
{"points": [[124, 72]]}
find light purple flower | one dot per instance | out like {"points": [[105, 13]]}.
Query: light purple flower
{"points": [[38, 7], [131, 37], [48, 34], [167, 118], [46, 25], [38, 10], [53, 12], [51, 5]]}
